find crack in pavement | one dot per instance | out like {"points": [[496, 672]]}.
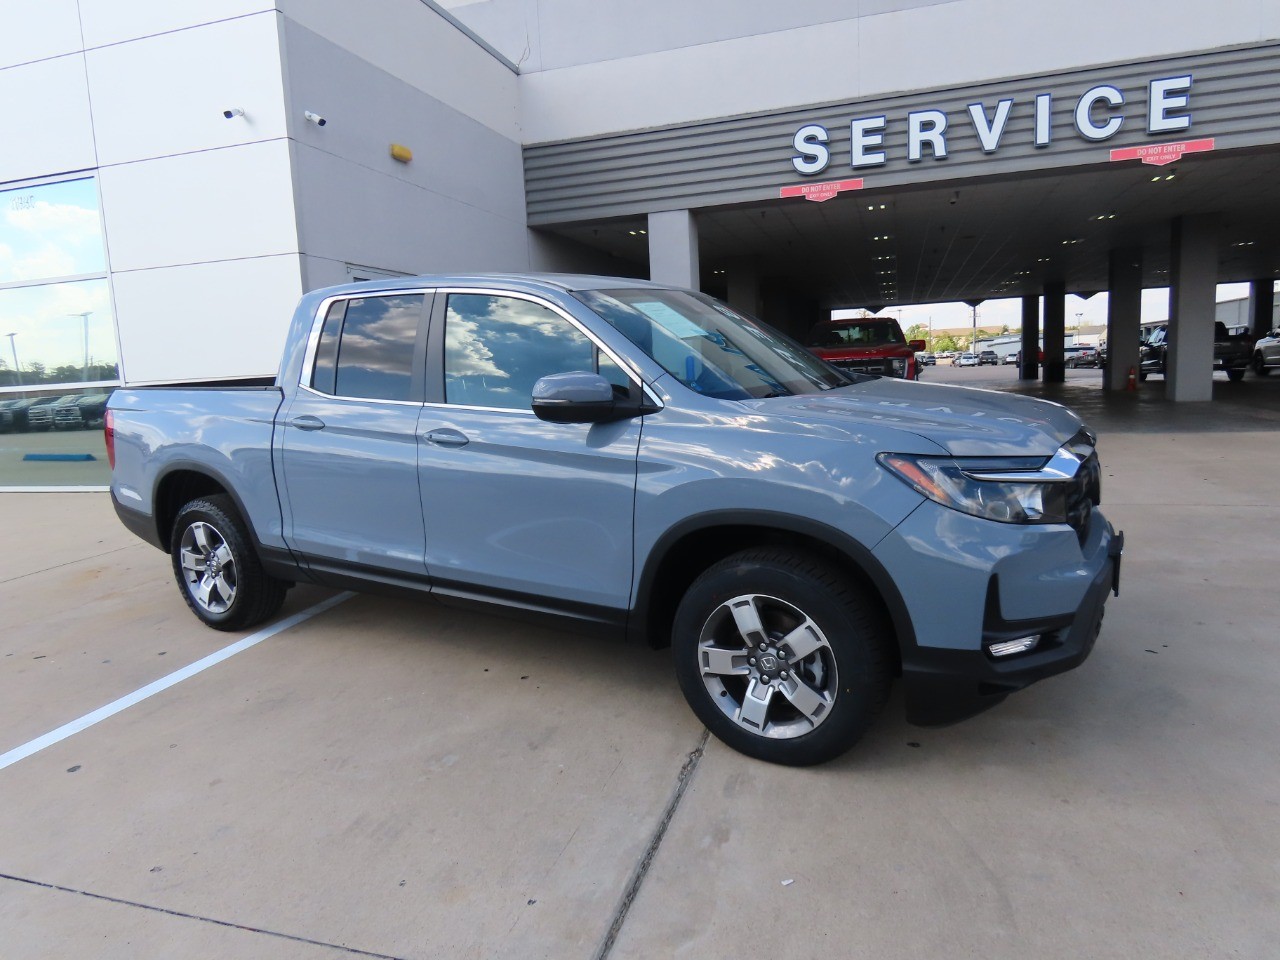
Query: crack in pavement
{"points": [[195, 916], [651, 850]]}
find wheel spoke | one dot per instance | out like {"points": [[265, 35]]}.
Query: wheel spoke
{"points": [[201, 534], [747, 618], [192, 561], [804, 698], [755, 705], [224, 556], [226, 590], [722, 662], [803, 640], [203, 589]]}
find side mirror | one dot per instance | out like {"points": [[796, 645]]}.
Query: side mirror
{"points": [[919, 346], [581, 397]]}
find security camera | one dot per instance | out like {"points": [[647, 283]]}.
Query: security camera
{"points": [[233, 112], [315, 118]]}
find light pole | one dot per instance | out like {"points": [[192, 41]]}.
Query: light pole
{"points": [[84, 373], [17, 370]]}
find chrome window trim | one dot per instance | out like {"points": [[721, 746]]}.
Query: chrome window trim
{"points": [[626, 366], [313, 343]]}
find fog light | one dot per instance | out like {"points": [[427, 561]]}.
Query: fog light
{"points": [[1008, 647]]}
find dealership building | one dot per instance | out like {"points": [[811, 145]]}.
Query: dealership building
{"points": [[176, 174]]}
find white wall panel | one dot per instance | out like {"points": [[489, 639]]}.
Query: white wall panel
{"points": [[348, 213], [950, 44], [415, 44], [207, 321], [44, 119], [113, 21], [37, 30], [215, 205], [166, 95]]}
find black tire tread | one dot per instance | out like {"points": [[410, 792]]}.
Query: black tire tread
{"points": [[260, 595]]}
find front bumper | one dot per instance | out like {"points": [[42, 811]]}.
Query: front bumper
{"points": [[946, 685], [967, 583]]}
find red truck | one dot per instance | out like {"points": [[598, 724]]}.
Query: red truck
{"points": [[867, 345]]}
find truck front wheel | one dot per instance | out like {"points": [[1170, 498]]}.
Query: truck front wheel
{"points": [[1235, 374], [217, 570], [781, 657]]}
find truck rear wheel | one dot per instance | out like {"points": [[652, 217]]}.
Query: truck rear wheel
{"points": [[217, 570], [1236, 374], [1260, 365], [781, 657]]}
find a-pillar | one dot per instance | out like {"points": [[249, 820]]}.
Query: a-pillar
{"points": [[1193, 276], [1262, 308], [1124, 318], [1055, 331], [673, 248], [1029, 365]]}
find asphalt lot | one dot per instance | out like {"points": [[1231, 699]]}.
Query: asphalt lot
{"points": [[394, 779]]}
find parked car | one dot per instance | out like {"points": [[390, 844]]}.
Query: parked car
{"points": [[18, 410], [81, 413], [1232, 353], [1010, 358], [926, 359], [40, 413], [1266, 354], [6, 415], [1081, 356], [638, 460], [867, 345], [966, 360], [988, 358]]}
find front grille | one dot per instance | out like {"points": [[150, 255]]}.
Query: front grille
{"points": [[882, 366]]}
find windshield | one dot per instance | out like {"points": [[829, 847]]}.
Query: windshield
{"points": [[711, 348], [856, 333]]}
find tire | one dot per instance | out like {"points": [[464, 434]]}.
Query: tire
{"points": [[1235, 375], [209, 536], [838, 656], [1260, 365]]}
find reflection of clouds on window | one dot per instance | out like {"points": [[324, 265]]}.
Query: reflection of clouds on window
{"points": [[51, 230], [375, 355], [497, 347], [49, 333]]}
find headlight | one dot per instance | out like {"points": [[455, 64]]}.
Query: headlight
{"points": [[899, 366], [989, 487]]}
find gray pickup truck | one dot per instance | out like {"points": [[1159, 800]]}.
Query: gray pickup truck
{"points": [[631, 459]]}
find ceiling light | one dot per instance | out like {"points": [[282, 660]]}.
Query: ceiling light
{"points": [[1244, 243]]}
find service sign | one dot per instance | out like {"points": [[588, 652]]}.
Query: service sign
{"points": [[1098, 114]]}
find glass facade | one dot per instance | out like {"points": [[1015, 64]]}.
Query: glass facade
{"points": [[55, 306]]}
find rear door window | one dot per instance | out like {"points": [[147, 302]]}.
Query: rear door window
{"points": [[367, 347]]}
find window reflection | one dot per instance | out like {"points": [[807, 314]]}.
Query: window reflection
{"points": [[51, 230], [496, 348], [57, 333], [375, 354]]}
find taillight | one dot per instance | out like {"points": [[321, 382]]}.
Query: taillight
{"points": [[109, 434]]}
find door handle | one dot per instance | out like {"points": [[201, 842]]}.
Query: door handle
{"points": [[307, 423], [446, 437]]}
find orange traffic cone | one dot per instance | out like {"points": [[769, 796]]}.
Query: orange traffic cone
{"points": [[1133, 379]]}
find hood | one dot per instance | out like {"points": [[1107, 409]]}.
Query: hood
{"points": [[961, 420]]}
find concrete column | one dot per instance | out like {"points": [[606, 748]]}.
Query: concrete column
{"points": [[673, 248], [744, 287], [1193, 276], [1055, 331], [1262, 307], [1029, 367], [1124, 317]]}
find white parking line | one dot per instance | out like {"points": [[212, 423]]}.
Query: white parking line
{"points": [[164, 683]]}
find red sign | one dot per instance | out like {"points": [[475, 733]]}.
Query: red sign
{"points": [[818, 192], [1158, 154]]}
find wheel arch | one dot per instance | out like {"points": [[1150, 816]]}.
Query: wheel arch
{"points": [[181, 483], [694, 544]]}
